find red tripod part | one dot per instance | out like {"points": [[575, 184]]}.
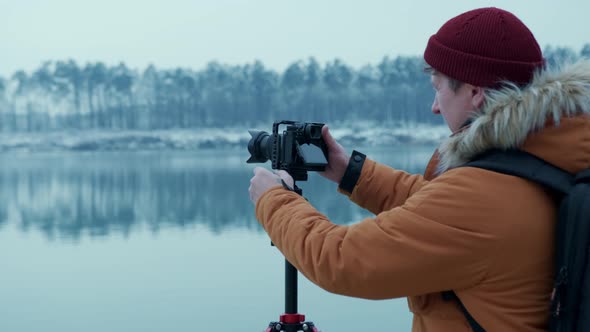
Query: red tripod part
{"points": [[298, 325], [292, 318]]}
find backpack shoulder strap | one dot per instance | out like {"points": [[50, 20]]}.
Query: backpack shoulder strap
{"points": [[583, 177], [525, 165]]}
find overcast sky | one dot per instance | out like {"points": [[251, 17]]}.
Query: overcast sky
{"points": [[190, 33]]}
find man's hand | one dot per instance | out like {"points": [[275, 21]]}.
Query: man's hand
{"points": [[338, 158], [264, 179]]}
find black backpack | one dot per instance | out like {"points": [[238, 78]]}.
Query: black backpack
{"points": [[570, 300]]}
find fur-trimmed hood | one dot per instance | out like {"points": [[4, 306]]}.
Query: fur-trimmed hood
{"points": [[516, 117]]}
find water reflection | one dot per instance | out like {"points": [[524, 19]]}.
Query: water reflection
{"points": [[76, 194]]}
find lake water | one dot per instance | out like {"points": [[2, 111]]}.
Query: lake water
{"points": [[160, 241]]}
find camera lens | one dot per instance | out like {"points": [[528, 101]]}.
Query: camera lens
{"points": [[259, 146]]}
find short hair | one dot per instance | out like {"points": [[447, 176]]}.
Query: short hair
{"points": [[453, 83]]}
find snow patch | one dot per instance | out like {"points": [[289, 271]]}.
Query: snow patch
{"points": [[358, 134]]}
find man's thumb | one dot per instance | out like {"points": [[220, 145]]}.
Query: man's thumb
{"points": [[285, 177]]}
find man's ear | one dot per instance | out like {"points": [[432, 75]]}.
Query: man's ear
{"points": [[477, 96]]}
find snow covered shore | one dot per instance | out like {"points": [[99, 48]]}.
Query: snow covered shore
{"points": [[360, 134]]}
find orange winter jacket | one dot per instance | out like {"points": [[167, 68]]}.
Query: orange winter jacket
{"points": [[485, 235]]}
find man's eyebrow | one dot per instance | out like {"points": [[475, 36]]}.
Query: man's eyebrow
{"points": [[430, 70]]}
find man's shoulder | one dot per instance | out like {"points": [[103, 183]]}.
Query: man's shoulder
{"points": [[479, 199]]}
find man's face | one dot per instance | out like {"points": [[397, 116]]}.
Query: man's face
{"points": [[455, 106]]}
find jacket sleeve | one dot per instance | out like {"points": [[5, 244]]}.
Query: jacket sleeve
{"points": [[420, 247], [380, 187]]}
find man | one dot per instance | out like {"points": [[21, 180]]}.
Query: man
{"points": [[485, 235]]}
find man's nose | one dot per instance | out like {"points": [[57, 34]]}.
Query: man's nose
{"points": [[435, 108]]}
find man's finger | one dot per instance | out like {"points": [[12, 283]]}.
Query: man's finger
{"points": [[283, 174], [327, 136], [326, 132], [258, 170]]}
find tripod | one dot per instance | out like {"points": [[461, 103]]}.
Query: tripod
{"points": [[291, 321]]}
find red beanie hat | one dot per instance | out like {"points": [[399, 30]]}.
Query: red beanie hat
{"points": [[483, 47]]}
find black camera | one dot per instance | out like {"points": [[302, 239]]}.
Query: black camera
{"points": [[298, 149]]}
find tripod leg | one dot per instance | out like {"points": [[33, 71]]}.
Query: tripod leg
{"points": [[272, 327], [309, 327]]}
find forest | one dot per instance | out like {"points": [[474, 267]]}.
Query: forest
{"points": [[66, 95]]}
